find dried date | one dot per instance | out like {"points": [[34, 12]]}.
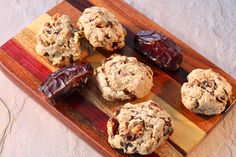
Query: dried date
{"points": [[66, 80], [159, 49]]}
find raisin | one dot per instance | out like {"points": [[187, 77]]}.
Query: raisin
{"points": [[66, 80], [153, 105], [159, 49], [129, 137], [113, 127]]}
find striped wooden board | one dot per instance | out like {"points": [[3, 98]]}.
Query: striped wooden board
{"points": [[85, 112]]}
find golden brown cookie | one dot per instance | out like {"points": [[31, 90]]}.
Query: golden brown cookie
{"points": [[59, 42], [206, 92], [102, 29], [139, 128], [122, 78]]}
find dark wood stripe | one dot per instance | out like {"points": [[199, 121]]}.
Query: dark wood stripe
{"points": [[91, 112], [164, 86], [92, 115], [179, 75], [177, 147], [81, 5], [96, 117]]}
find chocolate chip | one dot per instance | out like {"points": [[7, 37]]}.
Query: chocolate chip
{"points": [[114, 45], [196, 104], [107, 36], [47, 24], [108, 24], [128, 93], [225, 92], [46, 54], [49, 32], [167, 130], [71, 58], [208, 83], [129, 145], [219, 100], [57, 32]]}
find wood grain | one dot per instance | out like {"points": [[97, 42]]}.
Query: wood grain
{"points": [[85, 111]]}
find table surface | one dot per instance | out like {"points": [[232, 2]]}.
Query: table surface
{"points": [[27, 129]]}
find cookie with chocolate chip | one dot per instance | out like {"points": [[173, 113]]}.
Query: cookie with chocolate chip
{"points": [[60, 42], [123, 78], [139, 128], [206, 92], [102, 29]]}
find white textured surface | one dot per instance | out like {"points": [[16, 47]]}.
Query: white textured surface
{"points": [[208, 26]]}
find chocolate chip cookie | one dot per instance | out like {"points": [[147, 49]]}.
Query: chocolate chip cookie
{"points": [[139, 128], [123, 78], [102, 29], [206, 92], [59, 42]]}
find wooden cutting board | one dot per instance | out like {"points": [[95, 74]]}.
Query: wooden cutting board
{"points": [[86, 112]]}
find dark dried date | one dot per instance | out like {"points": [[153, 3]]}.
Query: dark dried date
{"points": [[159, 49], [66, 80]]}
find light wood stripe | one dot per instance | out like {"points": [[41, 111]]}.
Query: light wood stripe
{"points": [[186, 134], [10, 64], [163, 81], [79, 109], [167, 150], [26, 38], [39, 22]]}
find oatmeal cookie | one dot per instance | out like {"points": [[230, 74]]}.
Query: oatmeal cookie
{"points": [[122, 78], [139, 128], [206, 92], [59, 42], [102, 29]]}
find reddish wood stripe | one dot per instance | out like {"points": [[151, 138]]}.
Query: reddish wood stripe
{"points": [[35, 67], [77, 115], [91, 112], [165, 83], [92, 115], [180, 75]]}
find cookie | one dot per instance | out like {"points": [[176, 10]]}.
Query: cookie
{"points": [[206, 92], [59, 42], [102, 29], [139, 128], [123, 78]]}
